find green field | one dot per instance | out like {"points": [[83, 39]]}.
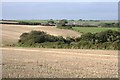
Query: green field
{"points": [[92, 29], [34, 21], [76, 21]]}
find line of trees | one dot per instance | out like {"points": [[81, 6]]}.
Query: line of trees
{"points": [[109, 24], [15, 22], [64, 24], [48, 23], [61, 23], [103, 40]]}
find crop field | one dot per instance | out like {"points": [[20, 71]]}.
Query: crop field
{"points": [[59, 63], [54, 63], [11, 33], [92, 29], [59, 40]]}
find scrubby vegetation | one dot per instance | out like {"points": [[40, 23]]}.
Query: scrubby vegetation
{"points": [[38, 37], [104, 40]]}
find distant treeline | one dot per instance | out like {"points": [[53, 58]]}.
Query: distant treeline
{"points": [[103, 40], [61, 23], [48, 23], [109, 25], [64, 24], [28, 23], [17, 22], [100, 25]]}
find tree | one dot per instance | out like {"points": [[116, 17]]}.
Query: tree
{"points": [[80, 20], [62, 23], [51, 21]]}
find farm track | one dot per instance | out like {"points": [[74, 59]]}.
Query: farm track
{"points": [[49, 63]]}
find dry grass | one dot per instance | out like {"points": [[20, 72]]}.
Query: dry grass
{"points": [[49, 63]]}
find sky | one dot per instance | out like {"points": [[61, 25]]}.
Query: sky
{"points": [[60, 10], [60, 0]]}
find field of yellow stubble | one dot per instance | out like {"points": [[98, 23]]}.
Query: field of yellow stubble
{"points": [[54, 63], [59, 63]]}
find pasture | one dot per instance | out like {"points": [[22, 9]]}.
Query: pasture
{"points": [[87, 21], [34, 21], [92, 29]]}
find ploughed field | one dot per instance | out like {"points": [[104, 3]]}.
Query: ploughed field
{"points": [[59, 63]]}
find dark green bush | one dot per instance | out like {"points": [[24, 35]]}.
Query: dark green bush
{"points": [[103, 40]]}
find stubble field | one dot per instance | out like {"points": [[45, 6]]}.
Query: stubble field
{"points": [[11, 33], [59, 63]]}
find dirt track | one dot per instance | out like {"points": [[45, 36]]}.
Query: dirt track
{"points": [[11, 33], [72, 63]]}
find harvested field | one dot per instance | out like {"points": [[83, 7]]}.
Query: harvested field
{"points": [[11, 33], [54, 63], [65, 63]]}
